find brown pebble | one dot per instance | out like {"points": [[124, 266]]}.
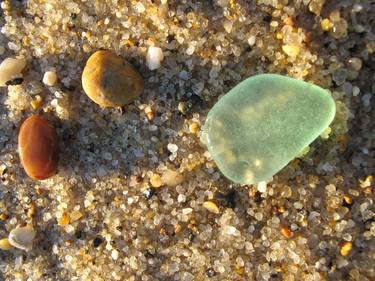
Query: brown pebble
{"points": [[38, 148], [111, 81]]}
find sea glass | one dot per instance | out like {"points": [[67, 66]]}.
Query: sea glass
{"points": [[263, 123]]}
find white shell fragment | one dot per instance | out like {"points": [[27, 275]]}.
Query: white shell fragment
{"points": [[22, 237], [11, 68], [154, 57]]}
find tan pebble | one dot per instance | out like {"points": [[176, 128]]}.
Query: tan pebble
{"points": [[279, 35], [36, 102], [38, 148], [172, 178], [346, 248], [194, 128], [5, 245], [32, 210], [211, 207], [64, 220], [50, 78], [286, 232], [75, 215], [177, 228], [156, 180], [149, 113], [288, 21], [291, 50], [111, 81], [22, 237]]}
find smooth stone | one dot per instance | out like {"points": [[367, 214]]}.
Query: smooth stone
{"points": [[38, 148], [111, 81], [22, 237], [263, 123], [11, 68]]}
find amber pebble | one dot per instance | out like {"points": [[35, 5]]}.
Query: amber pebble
{"points": [[110, 80], [38, 148]]}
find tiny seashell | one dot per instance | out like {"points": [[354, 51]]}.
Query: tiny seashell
{"points": [[22, 237]]}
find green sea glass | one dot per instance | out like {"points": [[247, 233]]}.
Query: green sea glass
{"points": [[263, 123]]}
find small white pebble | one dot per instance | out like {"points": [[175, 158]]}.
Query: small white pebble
{"points": [[251, 40], [154, 57], [114, 254], [262, 187], [172, 147], [181, 198], [187, 211], [190, 50], [231, 230], [50, 78], [139, 8]]}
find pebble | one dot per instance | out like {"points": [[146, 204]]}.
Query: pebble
{"points": [[211, 207], [38, 148], [148, 193], [111, 81], [291, 50], [172, 178], [15, 81], [286, 232], [64, 220], [326, 24], [262, 186], [11, 68], [155, 180], [251, 40], [50, 78], [346, 248], [210, 272], [22, 237], [355, 63], [5, 245], [96, 242], [193, 128], [154, 57], [114, 254], [276, 117], [228, 24], [173, 148]]}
